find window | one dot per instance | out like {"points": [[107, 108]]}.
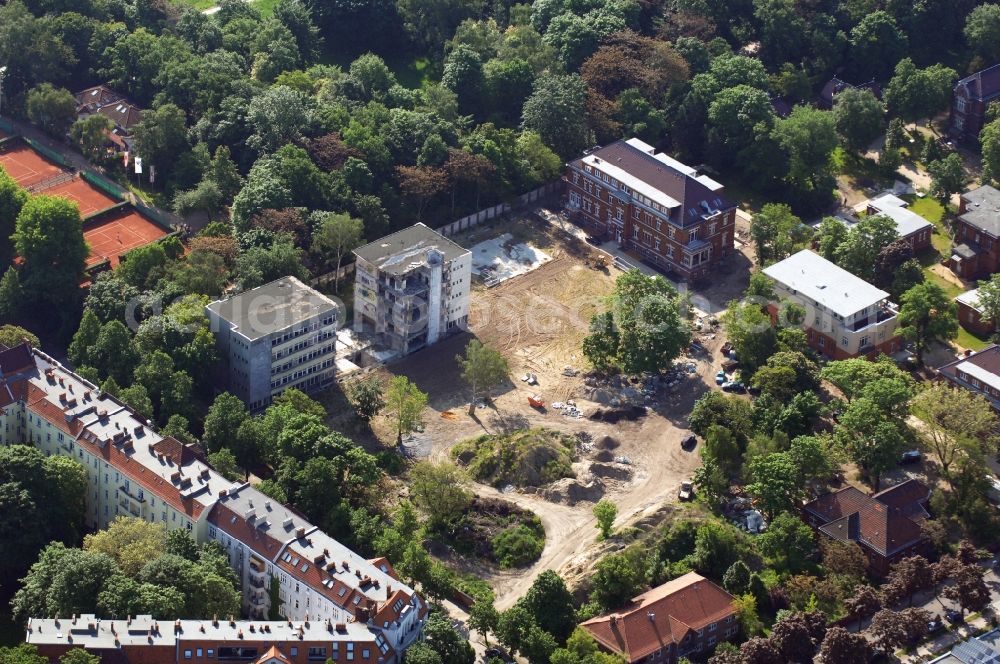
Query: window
{"points": [[960, 105], [635, 213], [864, 342], [365, 654], [295, 651], [635, 233], [187, 654], [197, 652], [843, 341], [317, 653]]}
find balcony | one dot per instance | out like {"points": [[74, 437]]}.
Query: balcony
{"points": [[257, 568], [884, 313]]}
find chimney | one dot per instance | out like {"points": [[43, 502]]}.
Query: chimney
{"points": [[651, 616]]}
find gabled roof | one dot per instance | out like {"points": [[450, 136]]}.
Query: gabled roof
{"points": [[664, 615], [273, 656], [886, 522], [984, 366], [970, 298], [15, 360], [983, 85], [907, 221], [826, 283]]}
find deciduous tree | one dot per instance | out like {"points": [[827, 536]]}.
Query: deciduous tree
{"points": [[927, 314], [483, 368]]}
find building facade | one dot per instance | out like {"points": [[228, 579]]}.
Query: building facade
{"points": [[274, 337], [134, 471], [684, 617], [969, 100], [978, 372], [844, 316], [887, 526], [411, 289], [653, 206], [143, 639], [975, 253]]}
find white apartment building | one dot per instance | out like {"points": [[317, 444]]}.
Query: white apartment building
{"points": [[134, 471], [844, 316], [274, 337], [411, 288]]}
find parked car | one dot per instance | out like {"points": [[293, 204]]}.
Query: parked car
{"points": [[593, 240], [953, 616], [689, 441], [496, 653], [934, 624], [720, 377], [734, 386], [911, 456], [686, 492]]}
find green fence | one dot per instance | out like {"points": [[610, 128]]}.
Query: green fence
{"points": [[48, 153], [7, 127], [107, 186]]}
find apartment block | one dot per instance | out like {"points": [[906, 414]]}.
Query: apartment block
{"points": [[977, 372], [274, 337], [845, 316], [150, 641], [411, 289], [134, 471], [652, 205], [976, 250]]}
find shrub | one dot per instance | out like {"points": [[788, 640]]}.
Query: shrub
{"points": [[517, 546]]}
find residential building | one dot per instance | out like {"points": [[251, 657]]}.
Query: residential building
{"points": [[411, 289], [274, 337], [844, 316], [977, 372], [133, 470], [887, 525], [911, 226], [144, 640], [982, 649], [833, 87], [653, 206], [969, 100], [685, 616], [105, 101], [976, 250], [971, 314]]}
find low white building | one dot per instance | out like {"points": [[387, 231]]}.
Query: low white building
{"points": [[411, 288], [845, 316], [279, 335]]}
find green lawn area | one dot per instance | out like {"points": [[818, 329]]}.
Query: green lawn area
{"points": [[199, 4], [951, 289], [966, 339], [265, 7], [933, 211]]}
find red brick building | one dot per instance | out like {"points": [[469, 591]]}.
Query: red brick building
{"points": [[653, 206], [887, 526], [976, 250], [969, 100], [144, 640], [978, 372], [685, 616]]}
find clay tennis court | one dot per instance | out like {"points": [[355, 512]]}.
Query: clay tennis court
{"points": [[26, 166], [88, 198], [111, 237]]}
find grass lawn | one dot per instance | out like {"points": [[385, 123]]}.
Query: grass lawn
{"points": [[200, 5], [933, 211], [952, 290], [265, 7], [967, 339]]}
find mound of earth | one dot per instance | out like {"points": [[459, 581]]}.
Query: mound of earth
{"points": [[608, 443], [525, 458], [571, 491], [615, 415], [615, 471], [492, 527]]}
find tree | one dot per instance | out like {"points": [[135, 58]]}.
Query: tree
{"points": [[859, 251], [130, 542], [160, 136], [206, 197], [421, 183], [605, 512], [982, 31], [582, 648], [551, 605], [894, 629], [789, 542], [48, 236], [808, 136], [842, 647], [224, 461], [441, 635], [969, 590], [366, 397], [989, 139], [749, 329], [858, 117], [618, 577], [78, 656], [406, 403], [954, 421], [556, 110], [775, 486], [52, 109], [12, 199], [746, 613], [989, 299], [947, 176], [440, 490], [225, 416], [736, 580], [482, 368], [872, 441], [774, 229], [906, 578], [876, 43], [335, 234], [915, 93], [792, 635], [85, 338], [927, 314], [863, 603]]}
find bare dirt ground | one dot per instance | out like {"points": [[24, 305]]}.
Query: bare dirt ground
{"points": [[538, 321]]}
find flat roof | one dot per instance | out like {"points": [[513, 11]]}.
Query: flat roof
{"points": [[825, 283], [403, 250], [970, 298], [907, 221], [272, 307]]}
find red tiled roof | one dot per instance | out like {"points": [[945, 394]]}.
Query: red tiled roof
{"points": [[886, 522], [237, 527], [661, 616], [177, 451], [15, 360], [273, 655]]}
